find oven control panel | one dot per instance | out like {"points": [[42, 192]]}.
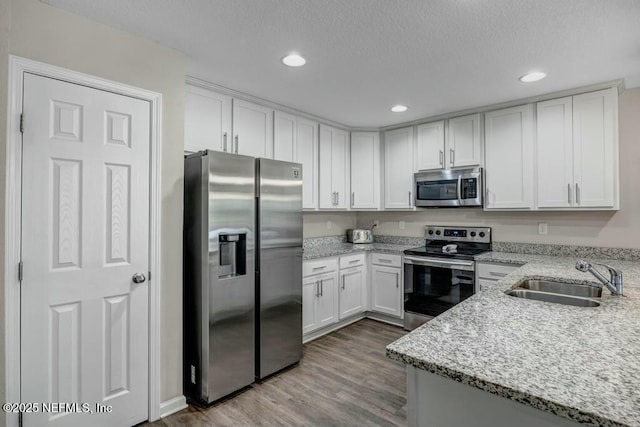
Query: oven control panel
{"points": [[458, 234]]}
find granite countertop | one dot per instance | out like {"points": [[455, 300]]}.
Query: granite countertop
{"points": [[579, 363], [347, 248]]}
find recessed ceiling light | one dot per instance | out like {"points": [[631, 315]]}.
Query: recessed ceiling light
{"points": [[294, 60], [533, 76], [399, 108]]}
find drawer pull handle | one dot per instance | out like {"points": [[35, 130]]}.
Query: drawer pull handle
{"points": [[319, 268], [354, 261], [493, 273], [384, 260]]}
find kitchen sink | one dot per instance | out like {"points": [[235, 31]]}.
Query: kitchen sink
{"points": [[555, 298], [570, 289], [557, 292]]}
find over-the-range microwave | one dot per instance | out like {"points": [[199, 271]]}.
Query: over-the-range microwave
{"points": [[448, 188]]}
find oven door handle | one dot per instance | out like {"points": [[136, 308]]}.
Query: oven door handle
{"points": [[443, 263]]}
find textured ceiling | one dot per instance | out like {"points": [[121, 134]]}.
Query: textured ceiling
{"points": [[363, 56]]}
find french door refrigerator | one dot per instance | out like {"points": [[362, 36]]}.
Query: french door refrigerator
{"points": [[242, 265]]}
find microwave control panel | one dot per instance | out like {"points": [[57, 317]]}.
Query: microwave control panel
{"points": [[469, 188]]}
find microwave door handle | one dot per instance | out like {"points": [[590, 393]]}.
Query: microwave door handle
{"points": [[460, 189]]}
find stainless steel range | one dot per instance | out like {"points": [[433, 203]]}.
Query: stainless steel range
{"points": [[441, 274]]}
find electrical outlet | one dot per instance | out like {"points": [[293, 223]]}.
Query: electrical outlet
{"points": [[401, 225], [329, 225], [542, 228]]}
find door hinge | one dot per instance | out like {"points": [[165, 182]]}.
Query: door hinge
{"points": [[20, 271], [21, 123]]}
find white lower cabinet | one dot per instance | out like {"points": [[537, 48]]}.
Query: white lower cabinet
{"points": [[319, 301], [386, 284], [488, 273], [352, 291]]}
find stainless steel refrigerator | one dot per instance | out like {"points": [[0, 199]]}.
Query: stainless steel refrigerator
{"points": [[238, 323]]}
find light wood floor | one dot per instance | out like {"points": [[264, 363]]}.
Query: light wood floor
{"points": [[344, 379]]}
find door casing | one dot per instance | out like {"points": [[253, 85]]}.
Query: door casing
{"points": [[13, 215]]}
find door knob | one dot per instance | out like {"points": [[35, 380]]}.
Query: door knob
{"points": [[138, 278]]}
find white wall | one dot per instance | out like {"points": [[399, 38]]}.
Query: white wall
{"points": [[315, 223], [607, 229], [53, 36], [5, 15]]}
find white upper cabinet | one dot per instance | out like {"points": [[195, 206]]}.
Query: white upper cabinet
{"points": [[334, 168], [577, 152], [306, 152], [207, 121], [398, 168], [509, 158], [463, 141], [430, 150], [284, 137], [555, 153], [365, 170], [595, 149], [252, 130]]}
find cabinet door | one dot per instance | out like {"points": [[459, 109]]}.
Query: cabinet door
{"points": [[509, 158], [463, 140], [595, 149], [386, 290], [365, 170], [306, 153], [310, 294], [351, 293], [207, 120], [284, 136], [326, 310], [555, 153], [252, 129], [430, 152], [398, 168], [334, 161]]}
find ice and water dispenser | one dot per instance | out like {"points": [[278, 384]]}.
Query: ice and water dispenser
{"points": [[233, 255]]}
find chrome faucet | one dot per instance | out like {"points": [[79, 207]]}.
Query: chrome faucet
{"points": [[614, 284]]}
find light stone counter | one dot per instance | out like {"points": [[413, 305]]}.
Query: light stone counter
{"points": [[579, 363]]}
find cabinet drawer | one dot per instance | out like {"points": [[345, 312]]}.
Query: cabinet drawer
{"points": [[386, 259], [351, 261], [494, 271], [319, 266]]}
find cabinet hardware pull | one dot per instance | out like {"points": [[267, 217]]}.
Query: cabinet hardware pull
{"points": [[441, 158], [384, 260], [397, 280], [495, 273], [319, 268], [409, 197], [317, 289], [353, 198], [237, 144], [224, 141], [569, 193], [343, 277], [321, 287], [354, 261], [337, 198], [453, 156], [578, 193]]}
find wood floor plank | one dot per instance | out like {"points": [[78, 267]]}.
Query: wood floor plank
{"points": [[343, 379]]}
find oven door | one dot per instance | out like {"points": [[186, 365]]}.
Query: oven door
{"points": [[434, 285]]}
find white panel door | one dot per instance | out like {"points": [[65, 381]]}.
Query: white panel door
{"points": [[365, 170], [327, 302], [398, 168], [207, 120], [310, 293], [306, 153], [463, 141], [352, 292], [284, 136], [252, 130], [595, 148], [555, 153], [430, 146], [84, 322], [334, 168], [386, 292], [509, 158]]}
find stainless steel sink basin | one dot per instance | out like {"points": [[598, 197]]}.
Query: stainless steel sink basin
{"points": [[570, 289], [551, 297]]}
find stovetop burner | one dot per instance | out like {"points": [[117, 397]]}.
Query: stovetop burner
{"points": [[453, 242]]}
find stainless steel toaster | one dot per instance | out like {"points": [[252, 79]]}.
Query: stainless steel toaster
{"points": [[359, 235]]}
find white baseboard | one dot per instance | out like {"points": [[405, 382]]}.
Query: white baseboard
{"points": [[172, 406]]}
